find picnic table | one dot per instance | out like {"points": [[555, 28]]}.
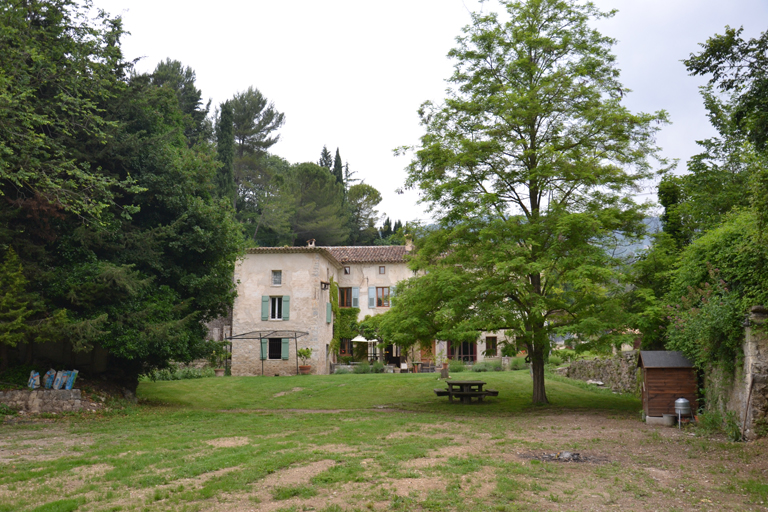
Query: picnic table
{"points": [[465, 390]]}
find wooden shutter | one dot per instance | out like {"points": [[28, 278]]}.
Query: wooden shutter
{"points": [[285, 348], [286, 306], [264, 308], [328, 313], [371, 297], [264, 349], [355, 297]]}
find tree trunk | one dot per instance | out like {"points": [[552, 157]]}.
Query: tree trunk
{"points": [[539, 392]]}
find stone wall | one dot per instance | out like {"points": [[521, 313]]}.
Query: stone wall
{"points": [[42, 400], [745, 392], [618, 372]]}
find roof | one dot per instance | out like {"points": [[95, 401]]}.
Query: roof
{"points": [[344, 254], [296, 250], [370, 254], [663, 359]]}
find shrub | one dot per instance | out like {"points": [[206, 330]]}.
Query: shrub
{"points": [[341, 370], [456, 366], [176, 373], [377, 367], [361, 368], [487, 366], [518, 363], [555, 360]]}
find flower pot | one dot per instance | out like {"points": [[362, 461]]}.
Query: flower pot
{"points": [[445, 366], [305, 370], [219, 372]]}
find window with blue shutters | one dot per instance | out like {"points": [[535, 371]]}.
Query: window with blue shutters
{"points": [[371, 297]]}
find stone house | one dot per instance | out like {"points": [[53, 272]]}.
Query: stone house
{"points": [[283, 304]]}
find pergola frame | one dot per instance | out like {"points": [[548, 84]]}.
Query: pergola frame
{"points": [[260, 335]]}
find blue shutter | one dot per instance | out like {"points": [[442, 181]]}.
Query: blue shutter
{"points": [[371, 297], [355, 297], [286, 307], [328, 313], [264, 349], [264, 308], [285, 348]]}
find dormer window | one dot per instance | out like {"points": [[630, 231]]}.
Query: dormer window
{"points": [[277, 277]]}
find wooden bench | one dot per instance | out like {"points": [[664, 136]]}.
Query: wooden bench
{"points": [[442, 392], [491, 392]]}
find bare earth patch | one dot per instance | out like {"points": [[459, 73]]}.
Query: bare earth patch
{"points": [[283, 393], [228, 442]]}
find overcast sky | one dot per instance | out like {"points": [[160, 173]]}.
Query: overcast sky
{"points": [[351, 74]]}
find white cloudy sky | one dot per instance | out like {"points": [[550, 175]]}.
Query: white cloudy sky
{"points": [[351, 74]]}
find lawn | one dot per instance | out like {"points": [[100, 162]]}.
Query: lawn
{"points": [[369, 442]]}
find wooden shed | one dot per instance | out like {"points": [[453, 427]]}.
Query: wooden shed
{"points": [[667, 376]]}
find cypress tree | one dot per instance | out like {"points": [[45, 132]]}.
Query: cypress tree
{"points": [[225, 147], [338, 171]]}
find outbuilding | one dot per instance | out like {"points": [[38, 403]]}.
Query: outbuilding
{"points": [[667, 376]]}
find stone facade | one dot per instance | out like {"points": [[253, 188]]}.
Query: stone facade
{"points": [[303, 273], [618, 373], [42, 400]]}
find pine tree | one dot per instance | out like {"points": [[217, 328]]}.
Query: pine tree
{"points": [[14, 300], [325, 159], [338, 171]]}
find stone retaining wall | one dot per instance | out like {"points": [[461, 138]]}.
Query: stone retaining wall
{"points": [[42, 400], [618, 372]]}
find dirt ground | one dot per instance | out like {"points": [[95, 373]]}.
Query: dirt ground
{"points": [[614, 463]]}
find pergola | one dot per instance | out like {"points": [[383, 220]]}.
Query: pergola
{"points": [[260, 335]]}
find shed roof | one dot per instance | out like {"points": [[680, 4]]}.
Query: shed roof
{"points": [[663, 359]]}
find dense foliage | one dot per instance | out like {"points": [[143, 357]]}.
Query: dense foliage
{"points": [[108, 193], [528, 166]]}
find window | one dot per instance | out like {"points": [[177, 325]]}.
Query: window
{"points": [[275, 348], [345, 347], [382, 297], [465, 351], [382, 269], [345, 297], [347, 271], [491, 346], [275, 309], [277, 277]]}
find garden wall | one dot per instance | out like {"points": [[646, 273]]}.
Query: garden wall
{"points": [[618, 372], [42, 400], [745, 392]]}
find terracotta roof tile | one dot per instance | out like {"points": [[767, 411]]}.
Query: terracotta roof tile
{"points": [[371, 254], [344, 254]]}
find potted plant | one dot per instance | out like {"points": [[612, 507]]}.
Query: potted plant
{"points": [[216, 360], [304, 354]]}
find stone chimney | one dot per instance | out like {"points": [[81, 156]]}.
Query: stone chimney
{"points": [[409, 243], [311, 243]]}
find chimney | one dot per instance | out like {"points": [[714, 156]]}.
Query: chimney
{"points": [[311, 243], [409, 243]]}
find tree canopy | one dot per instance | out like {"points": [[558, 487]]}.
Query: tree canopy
{"points": [[528, 165]]}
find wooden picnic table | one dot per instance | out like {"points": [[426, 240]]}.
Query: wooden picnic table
{"points": [[466, 390]]}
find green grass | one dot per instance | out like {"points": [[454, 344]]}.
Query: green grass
{"points": [[356, 392], [230, 443]]}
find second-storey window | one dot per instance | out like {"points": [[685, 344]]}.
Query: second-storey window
{"points": [[277, 277], [382, 297], [276, 308], [345, 297]]}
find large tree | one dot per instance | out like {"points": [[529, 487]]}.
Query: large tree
{"points": [[174, 75], [319, 214], [362, 200], [528, 166]]}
